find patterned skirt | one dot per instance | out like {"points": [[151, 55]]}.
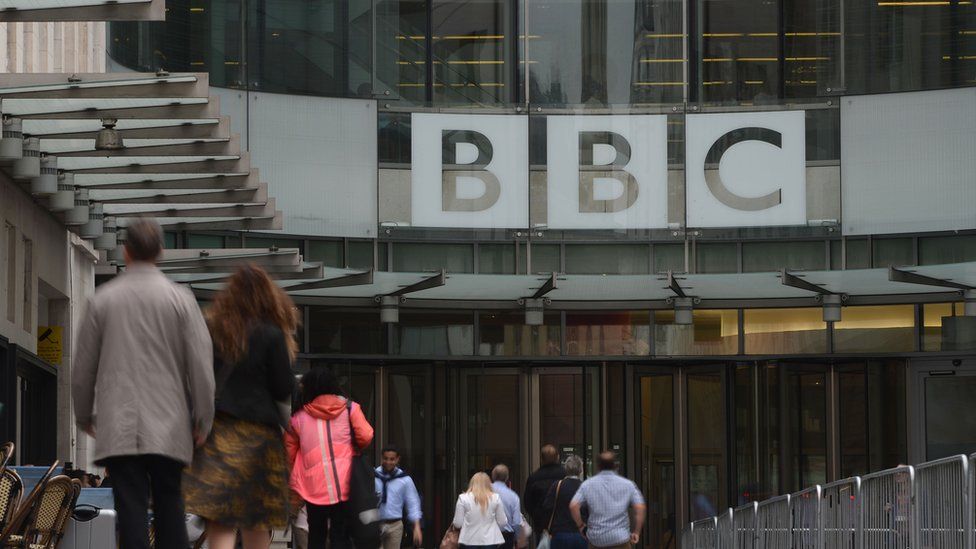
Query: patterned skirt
{"points": [[239, 478]]}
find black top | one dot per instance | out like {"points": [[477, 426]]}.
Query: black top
{"points": [[562, 521], [536, 488], [261, 378]]}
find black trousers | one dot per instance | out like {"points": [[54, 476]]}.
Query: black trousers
{"points": [[509, 540], [134, 478], [328, 521]]}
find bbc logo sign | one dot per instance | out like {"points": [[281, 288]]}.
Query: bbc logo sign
{"points": [[608, 171]]}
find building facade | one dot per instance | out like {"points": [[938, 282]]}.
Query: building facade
{"points": [[733, 241]]}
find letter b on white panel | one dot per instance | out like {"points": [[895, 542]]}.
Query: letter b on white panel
{"points": [[607, 172], [469, 171], [755, 174]]}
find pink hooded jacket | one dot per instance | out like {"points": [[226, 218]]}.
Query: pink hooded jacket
{"points": [[320, 448]]}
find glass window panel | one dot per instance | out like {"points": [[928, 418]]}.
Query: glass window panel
{"points": [[893, 251], [360, 254], [774, 256], [836, 255], [545, 258], [345, 332], [858, 253], [423, 257], [490, 425], [196, 240], [329, 252], [383, 257], [434, 334], [740, 51], [506, 334], [872, 416], [785, 331], [934, 250], [706, 445], [473, 51], [669, 257], [717, 258], [875, 328], [746, 437], [656, 455], [233, 241], [607, 258], [496, 258], [950, 425], [934, 317], [609, 333], [401, 49], [714, 332], [408, 416], [169, 240], [807, 408]]}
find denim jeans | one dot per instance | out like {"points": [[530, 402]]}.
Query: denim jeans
{"points": [[567, 540]]}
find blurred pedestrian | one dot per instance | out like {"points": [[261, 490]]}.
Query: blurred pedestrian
{"points": [[144, 362], [539, 484], [480, 515], [561, 527], [511, 503], [610, 500], [239, 479], [326, 432], [398, 499]]}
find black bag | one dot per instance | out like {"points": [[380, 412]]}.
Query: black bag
{"points": [[363, 505]]}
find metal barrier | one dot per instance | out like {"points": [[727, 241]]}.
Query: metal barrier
{"points": [[806, 519], [839, 504], [773, 523], [703, 534], [942, 503], [744, 526], [887, 516]]}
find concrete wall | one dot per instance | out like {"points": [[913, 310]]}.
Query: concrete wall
{"points": [[52, 47]]}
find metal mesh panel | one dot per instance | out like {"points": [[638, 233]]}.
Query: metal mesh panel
{"points": [[839, 506], [744, 525], [724, 533], [887, 509], [805, 518], [942, 496], [703, 534], [773, 523], [685, 539]]}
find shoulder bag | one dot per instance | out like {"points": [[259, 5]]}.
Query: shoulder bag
{"points": [[545, 538], [363, 505]]}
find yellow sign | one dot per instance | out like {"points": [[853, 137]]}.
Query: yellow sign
{"points": [[49, 346]]}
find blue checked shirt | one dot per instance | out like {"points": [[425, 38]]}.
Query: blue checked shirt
{"points": [[401, 497], [608, 498], [513, 508]]}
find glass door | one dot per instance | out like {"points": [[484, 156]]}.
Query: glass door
{"points": [[565, 407], [707, 440], [408, 426], [656, 454], [944, 392], [492, 423]]}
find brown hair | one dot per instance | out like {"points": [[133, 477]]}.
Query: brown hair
{"points": [[250, 297], [144, 239]]}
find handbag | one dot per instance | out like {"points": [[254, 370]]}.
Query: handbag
{"points": [[546, 538], [363, 505], [450, 539]]}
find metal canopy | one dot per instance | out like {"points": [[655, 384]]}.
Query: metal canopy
{"points": [[913, 277], [82, 10]]}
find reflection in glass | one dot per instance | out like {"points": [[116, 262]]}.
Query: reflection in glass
{"points": [[496, 258], [774, 256], [492, 428], [714, 332], [346, 332], [607, 258], [871, 416], [474, 43], [656, 456], [434, 334], [545, 258], [933, 319], [806, 409], [568, 413], [893, 251], [506, 334], [419, 257], [407, 420], [706, 441], [950, 425], [716, 258], [785, 331], [609, 333], [669, 257], [883, 328]]}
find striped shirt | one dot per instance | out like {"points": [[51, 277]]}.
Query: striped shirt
{"points": [[608, 497]]}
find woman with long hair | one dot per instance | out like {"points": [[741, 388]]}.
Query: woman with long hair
{"points": [[480, 515], [238, 480]]}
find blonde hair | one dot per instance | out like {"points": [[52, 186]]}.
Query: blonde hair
{"points": [[480, 487]]}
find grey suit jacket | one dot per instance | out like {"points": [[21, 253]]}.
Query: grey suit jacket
{"points": [[143, 367]]}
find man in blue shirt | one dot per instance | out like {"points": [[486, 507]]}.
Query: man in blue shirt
{"points": [[398, 497], [511, 503], [612, 501]]}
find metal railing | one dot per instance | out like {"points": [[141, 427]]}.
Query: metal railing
{"points": [[928, 506]]}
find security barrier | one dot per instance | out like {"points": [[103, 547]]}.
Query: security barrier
{"points": [[929, 506]]}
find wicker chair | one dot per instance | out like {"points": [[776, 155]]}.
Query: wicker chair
{"points": [[48, 518], [6, 452], [15, 526], [11, 489]]}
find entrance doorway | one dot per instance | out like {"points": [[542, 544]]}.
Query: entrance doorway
{"points": [[944, 396]]}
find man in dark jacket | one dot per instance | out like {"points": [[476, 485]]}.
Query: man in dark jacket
{"points": [[538, 484]]}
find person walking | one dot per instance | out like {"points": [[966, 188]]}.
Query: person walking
{"points": [[144, 361], [238, 480], [561, 526], [326, 432], [480, 515], [398, 498], [539, 484], [511, 503], [610, 500]]}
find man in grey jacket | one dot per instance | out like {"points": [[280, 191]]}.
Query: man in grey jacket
{"points": [[143, 386]]}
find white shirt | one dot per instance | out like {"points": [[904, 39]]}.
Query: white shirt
{"points": [[478, 526]]}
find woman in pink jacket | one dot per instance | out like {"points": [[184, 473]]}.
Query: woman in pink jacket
{"points": [[326, 432]]}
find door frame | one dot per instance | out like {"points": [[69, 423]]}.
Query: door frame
{"points": [[919, 371]]}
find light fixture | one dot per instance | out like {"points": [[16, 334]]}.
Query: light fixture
{"points": [[832, 307], [29, 163], [107, 240], [389, 309], [78, 214], [534, 309], [12, 142], [64, 199], [46, 182], [684, 309], [116, 255], [969, 302], [96, 222], [108, 138]]}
